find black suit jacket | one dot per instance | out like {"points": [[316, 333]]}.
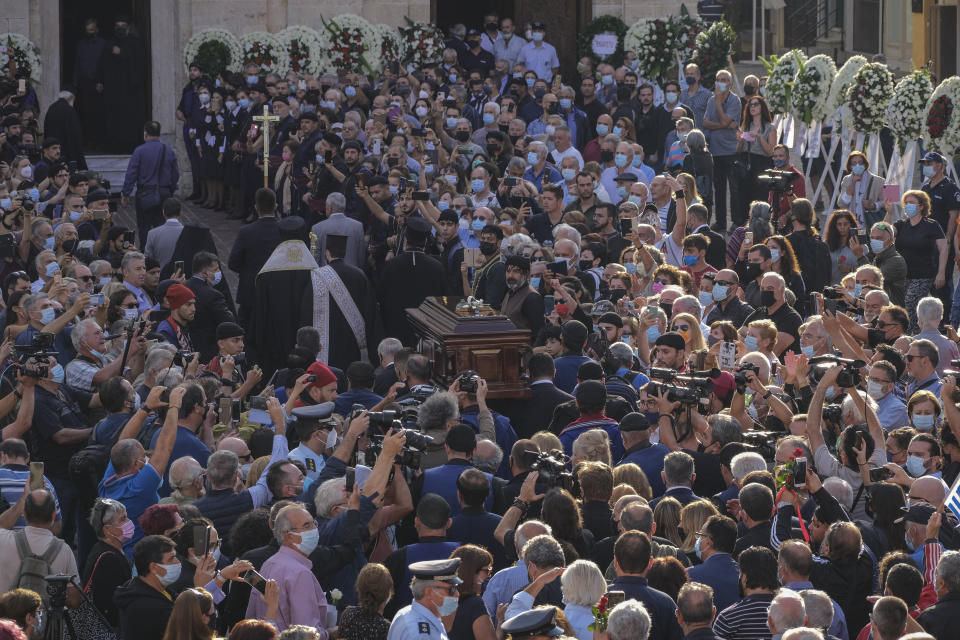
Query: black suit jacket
{"points": [[212, 309], [385, 379], [63, 123], [533, 414], [717, 251], [253, 246]]}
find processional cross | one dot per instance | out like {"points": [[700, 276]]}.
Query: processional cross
{"points": [[266, 119]]}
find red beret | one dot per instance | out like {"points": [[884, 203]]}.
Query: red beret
{"points": [[178, 295], [323, 374]]}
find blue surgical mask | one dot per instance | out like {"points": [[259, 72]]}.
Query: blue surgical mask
{"points": [[774, 254], [320, 158], [476, 185], [808, 350], [652, 334], [779, 163], [637, 161], [923, 422], [602, 130], [914, 465], [637, 200], [696, 545], [34, 194], [131, 314], [452, 179], [719, 292], [6, 203], [706, 298], [52, 268], [631, 267], [620, 159], [532, 158], [350, 91], [928, 171], [452, 77], [876, 245], [488, 118], [308, 541], [104, 281], [752, 343], [858, 169], [217, 277], [243, 102], [478, 224], [617, 131], [75, 215], [622, 192], [451, 123], [49, 243], [172, 571], [535, 282], [56, 373], [568, 174], [48, 315], [857, 289], [565, 103], [671, 96], [530, 82], [443, 205], [910, 208], [607, 79], [689, 261], [394, 189], [449, 604], [721, 86]]}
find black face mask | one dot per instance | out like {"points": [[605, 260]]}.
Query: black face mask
{"points": [[488, 248], [667, 308], [767, 299], [474, 44], [513, 139], [462, 136], [490, 26], [616, 294], [585, 265], [503, 127], [606, 156], [494, 148], [70, 245], [749, 90], [120, 32], [752, 271]]}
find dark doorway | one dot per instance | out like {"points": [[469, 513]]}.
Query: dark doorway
{"points": [[72, 17], [948, 41]]}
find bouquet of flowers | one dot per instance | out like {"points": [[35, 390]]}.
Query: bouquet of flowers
{"points": [[214, 51], [264, 50], [785, 471], [942, 131], [782, 71], [391, 46], [304, 50], [655, 44], [841, 83], [867, 99], [908, 108], [686, 28], [811, 87], [600, 615], [713, 50], [18, 50], [422, 43], [349, 39]]}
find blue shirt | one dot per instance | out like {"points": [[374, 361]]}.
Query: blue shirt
{"points": [[347, 399], [565, 375], [468, 238], [12, 479], [650, 459], [552, 175], [186, 444], [143, 302], [838, 626], [541, 59], [723, 142], [136, 491], [143, 167], [892, 412], [503, 585]]}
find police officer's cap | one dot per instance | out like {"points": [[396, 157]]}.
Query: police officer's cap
{"points": [[536, 622], [321, 411], [437, 570]]}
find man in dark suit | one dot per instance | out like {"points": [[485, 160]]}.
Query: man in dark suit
{"points": [[387, 351], [698, 221], [678, 475], [631, 557], [756, 505], [534, 413], [715, 542], [63, 123], [254, 244], [212, 308], [695, 611]]}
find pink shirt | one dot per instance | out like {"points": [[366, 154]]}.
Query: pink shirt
{"points": [[302, 600]]}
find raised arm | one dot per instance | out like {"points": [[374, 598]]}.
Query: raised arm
{"points": [[814, 414], [168, 433]]}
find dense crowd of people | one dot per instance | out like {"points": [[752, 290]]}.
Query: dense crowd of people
{"points": [[738, 432]]}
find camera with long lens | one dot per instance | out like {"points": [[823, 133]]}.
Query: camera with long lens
{"points": [[182, 358], [36, 353], [412, 454], [689, 388], [764, 442], [740, 375], [833, 413], [418, 395], [552, 470], [848, 378], [775, 180], [835, 294]]}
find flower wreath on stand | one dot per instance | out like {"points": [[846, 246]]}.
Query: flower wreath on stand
{"points": [[811, 87], [867, 99], [303, 48], [713, 50], [782, 71], [598, 26], [422, 43], [391, 45], [655, 45], [841, 84], [350, 39], [264, 50], [907, 110], [214, 51], [942, 131], [18, 50], [686, 28]]}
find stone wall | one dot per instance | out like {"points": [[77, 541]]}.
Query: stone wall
{"points": [[632, 10]]}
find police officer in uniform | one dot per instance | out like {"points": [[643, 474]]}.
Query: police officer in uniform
{"points": [[536, 624], [316, 430], [435, 594]]}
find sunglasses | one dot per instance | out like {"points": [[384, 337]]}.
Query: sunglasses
{"points": [[909, 357]]}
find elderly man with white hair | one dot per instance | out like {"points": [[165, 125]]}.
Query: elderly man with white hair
{"points": [[628, 620], [91, 367], [785, 612], [538, 171], [337, 223], [929, 316], [506, 582], [187, 479]]}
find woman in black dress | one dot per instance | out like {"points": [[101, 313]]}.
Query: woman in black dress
{"points": [[365, 620], [471, 620], [106, 567]]}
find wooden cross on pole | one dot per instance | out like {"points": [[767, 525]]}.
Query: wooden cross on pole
{"points": [[266, 119]]}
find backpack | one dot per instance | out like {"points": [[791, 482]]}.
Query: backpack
{"points": [[34, 569], [87, 466]]}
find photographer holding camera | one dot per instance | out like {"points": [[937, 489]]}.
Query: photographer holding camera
{"points": [[471, 392]]}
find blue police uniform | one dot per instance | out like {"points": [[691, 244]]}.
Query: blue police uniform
{"points": [[442, 480]]}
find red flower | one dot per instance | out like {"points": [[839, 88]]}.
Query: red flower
{"points": [[798, 452], [602, 605]]}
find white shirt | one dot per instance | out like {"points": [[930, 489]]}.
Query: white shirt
{"points": [[39, 541], [571, 151]]}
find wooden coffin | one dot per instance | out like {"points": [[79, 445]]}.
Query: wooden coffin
{"points": [[490, 345]]}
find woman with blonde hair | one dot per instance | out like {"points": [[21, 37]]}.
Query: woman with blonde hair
{"points": [[621, 490], [193, 617], [592, 446], [692, 518], [582, 585], [547, 441], [365, 621], [688, 327], [631, 474], [666, 515], [689, 184]]}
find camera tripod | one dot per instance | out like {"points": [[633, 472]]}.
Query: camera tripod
{"points": [[56, 619]]}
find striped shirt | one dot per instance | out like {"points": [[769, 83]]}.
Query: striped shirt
{"points": [[697, 103], [12, 479], [745, 620]]}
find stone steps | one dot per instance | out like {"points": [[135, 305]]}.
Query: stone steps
{"points": [[110, 167]]}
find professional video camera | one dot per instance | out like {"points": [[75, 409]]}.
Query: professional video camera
{"points": [[383, 421], [689, 388], [39, 349], [764, 442], [850, 376], [418, 395], [412, 454], [552, 470], [775, 180]]}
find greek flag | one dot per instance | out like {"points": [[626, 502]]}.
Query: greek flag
{"points": [[953, 498]]}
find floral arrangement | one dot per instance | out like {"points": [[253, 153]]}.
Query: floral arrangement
{"points": [[18, 50], [602, 24], [908, 108], [422, 43], [264, 50], [811, 88], [214, 51], [785, 471], [867, 99], [782, 71], [600, 615], [841, 83], [654, 42], [713, 50], [391, 45], [942, 131], [349, 38], [304, 50], [686, 28]]}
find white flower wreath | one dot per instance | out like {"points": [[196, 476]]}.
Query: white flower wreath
{"points": [[389, 45], [422, 44], [304, 51], [264, 50], [867, 99], [948, 142], [841, 83], [213, 35], [366, 51], [907, 111], [782, 71], [23, 51], [812, 85]]}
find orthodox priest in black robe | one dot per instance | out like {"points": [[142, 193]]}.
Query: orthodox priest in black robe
{"points": [[350, 330], [284, 298], [124, 82], [407, 280]]}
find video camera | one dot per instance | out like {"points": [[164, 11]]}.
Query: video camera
{"points": [[39, 349], [552, 470], [689, 388], [850, 376], [764, 442], [775, 180], [412, 454]]}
